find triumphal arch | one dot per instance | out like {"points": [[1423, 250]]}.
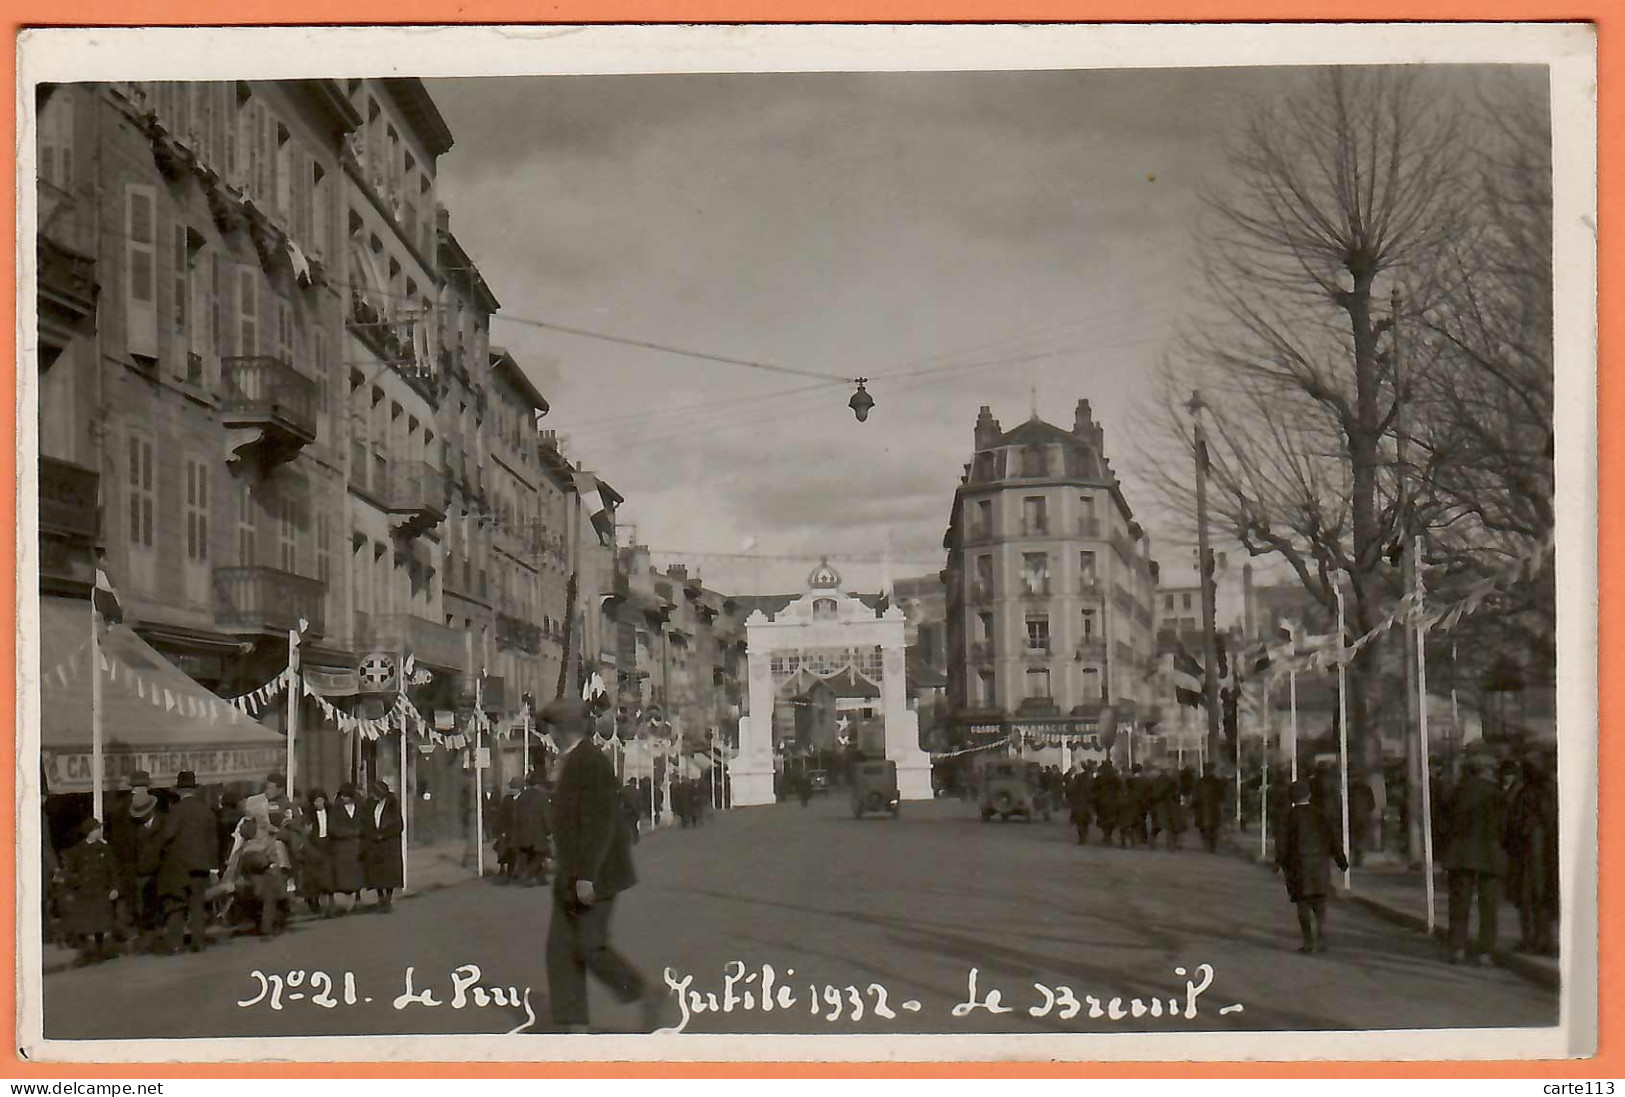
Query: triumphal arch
{"points": [[826, 635]]}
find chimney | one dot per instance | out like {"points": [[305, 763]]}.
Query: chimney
{"points": [[677, 573], [987, 429], [1083, 420]]}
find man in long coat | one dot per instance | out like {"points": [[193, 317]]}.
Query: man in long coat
{"points": [[1107, 791], [1305, 844], [383, 867], [531, 832], [1531, 842], [1167, 809], [1207, 799], [1475, 858], [594, 867], [187, 852], [1080, 798], [507, 810]]}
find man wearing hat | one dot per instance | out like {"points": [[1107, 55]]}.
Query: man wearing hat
{"points": [[1475, 858], [131, 810], [530, 832], [506, 849], [188, 849], [594, 866]]}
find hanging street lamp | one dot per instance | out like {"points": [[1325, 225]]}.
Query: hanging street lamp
{"points": [[861, 401]]}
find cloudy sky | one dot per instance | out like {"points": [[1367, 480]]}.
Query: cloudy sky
{"points": [[959, 238]]}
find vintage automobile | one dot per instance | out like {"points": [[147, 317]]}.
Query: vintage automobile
{"points": [[1010, 787], [874, 789]]}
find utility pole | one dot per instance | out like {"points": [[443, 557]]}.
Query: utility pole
{"points": [[1414, 774], [1210, 655]]}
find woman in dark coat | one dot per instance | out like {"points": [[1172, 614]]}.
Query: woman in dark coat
{"points": [[316, 866], [344, 844], [1305, 842], [90, 891], [381, 830], [1531, 844]]}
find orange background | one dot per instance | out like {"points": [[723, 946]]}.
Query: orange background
{"points": [[1608, 20]]}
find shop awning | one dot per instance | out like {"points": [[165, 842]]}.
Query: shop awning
{"points": [[154, 717]]}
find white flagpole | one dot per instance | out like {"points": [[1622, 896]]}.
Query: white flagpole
{"points": [[1343, 732], [1422, 699], [479, 779], [95, 710], [1292, 752], [296, 691], [402, 797], [1263, 801]]}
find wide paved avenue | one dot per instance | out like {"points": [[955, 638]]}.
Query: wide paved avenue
{"points": [[828, 901]]}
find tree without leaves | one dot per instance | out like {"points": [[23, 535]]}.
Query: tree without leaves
{"points": [[1334, 191]]}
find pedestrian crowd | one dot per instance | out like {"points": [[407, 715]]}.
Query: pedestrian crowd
{"points": [[1137, 808], [168, 865]]}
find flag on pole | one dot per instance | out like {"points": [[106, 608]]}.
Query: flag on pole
{"points": [[1187, 678], [104, 599]]}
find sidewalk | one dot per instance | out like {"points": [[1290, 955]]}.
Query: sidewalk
{"points": [[1399, 895]]}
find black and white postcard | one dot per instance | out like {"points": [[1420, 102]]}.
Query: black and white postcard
{"points": [[807, 543]]}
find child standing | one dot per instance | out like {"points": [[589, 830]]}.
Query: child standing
{"points": [[1305, 843], [90, 892]]}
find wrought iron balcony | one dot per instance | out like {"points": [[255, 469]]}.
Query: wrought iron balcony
{"points": [[416, 497], [1089, 527], [1091, 588], [1038, 527], [273, 403], [1091, 651], [513, 632], [981, 592], [257, 600], [1038, 651], [981, 652], [67, 279], [68, 525], [1035, 590], [431, 642]]}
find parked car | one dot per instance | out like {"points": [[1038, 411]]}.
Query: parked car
{"points": [[874, 789], [1009, 788]]}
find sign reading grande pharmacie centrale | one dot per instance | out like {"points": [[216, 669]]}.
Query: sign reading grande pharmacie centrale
{"points": [[70, 771]]}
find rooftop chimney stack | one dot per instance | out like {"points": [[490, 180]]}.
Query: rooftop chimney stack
{"points": [[987, 429]]}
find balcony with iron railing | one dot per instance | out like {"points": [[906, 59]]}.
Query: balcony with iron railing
{"points": [[1035, 589], [273, 402], [1037, 649], [981, 651], [67, 279], [68, 526], [417, 497], [431, 642], [513, 632], [1091, 650], [1089, 527], [981, 592], [253, 601], [1091, 589], [1035, 527]]}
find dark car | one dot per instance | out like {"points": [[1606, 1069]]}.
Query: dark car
{"points": [[1009, 788], [874, 789]]}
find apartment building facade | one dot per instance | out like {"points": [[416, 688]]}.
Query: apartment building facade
{"points": [[267, 394], [1049, 581], [191, 334]]}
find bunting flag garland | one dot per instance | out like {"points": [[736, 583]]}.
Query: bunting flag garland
{"points": [[1321, 653], [1006, 741]]}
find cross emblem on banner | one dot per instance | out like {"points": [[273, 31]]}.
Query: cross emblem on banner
{"points": [[377, 670]]}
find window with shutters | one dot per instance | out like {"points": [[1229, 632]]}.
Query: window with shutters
{"points": [[321, 215], [284, 330], [1038, 683], [140, 271], [248, 150], [283, 178], [56, 145], [324, 546], [143, 493], [231, 128], [197, 511], [180, 296], [288, 530], [318, 345], [247, 524], [248, 338]]}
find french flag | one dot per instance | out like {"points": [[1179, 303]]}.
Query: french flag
{"points": [[104, 599]]}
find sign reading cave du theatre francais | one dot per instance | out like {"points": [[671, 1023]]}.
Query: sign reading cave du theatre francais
{"points": [[71, 771]]}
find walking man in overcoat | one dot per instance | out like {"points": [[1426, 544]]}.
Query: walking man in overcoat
{"points": [[1475, 860], [1306, 842], [530, 831], [187, 852], [1207, 800], [594, 867]]}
